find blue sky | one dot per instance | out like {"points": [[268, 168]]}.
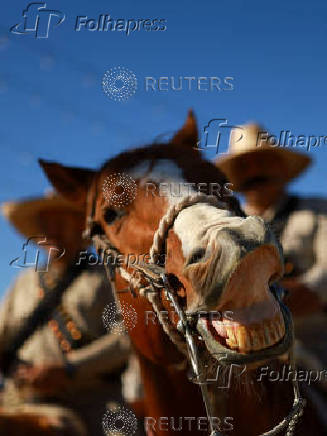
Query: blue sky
{"points": [[53, 105]]}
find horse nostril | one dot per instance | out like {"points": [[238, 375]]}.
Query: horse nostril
{"points": [[110, 216], [96, 229], [196, 256]]}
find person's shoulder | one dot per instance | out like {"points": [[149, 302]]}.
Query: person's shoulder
{"points": [[95, 274], [23, 283], [27, 276], [317, 205]]}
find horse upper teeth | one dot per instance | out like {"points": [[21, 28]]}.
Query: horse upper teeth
{"points": [[231, 333], [251, 337], [267, 333]]}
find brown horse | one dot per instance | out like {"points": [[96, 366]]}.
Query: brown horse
{"points": [[215, 261]]}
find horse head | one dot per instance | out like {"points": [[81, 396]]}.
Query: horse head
{"points": [[219, 265]]}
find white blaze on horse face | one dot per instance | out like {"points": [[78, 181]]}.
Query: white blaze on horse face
{"points": [[167, 175], [222, 241], [163, 170], [197, 226]]}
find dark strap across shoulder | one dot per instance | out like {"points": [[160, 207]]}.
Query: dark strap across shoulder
{"points": [[40, 315], [65, 329], [278, 223]]}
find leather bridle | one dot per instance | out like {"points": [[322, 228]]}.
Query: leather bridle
{"points": [[152, 279]]}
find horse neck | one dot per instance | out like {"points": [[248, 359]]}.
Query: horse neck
{"points": [[255, 406], [251, 410], [169, 393]]}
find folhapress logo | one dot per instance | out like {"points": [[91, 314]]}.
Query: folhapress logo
{"points": [[213, 132], [105, 23], [37, 20]]}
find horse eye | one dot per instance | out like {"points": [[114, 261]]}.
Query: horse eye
{"points": [[110, 215]]}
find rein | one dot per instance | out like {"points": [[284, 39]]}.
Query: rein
{"points": [[156, 279]]}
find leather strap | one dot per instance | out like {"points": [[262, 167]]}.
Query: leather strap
{"points": [[40, 315]]}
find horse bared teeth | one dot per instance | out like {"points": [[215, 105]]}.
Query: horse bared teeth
{"points": [[274, 332], [231, 333], [283, 328], [266, 330], [255, 340], [241, 338], [247, 340], [233, 345], [231, 341], [253, 337], [261, 338], [281, 325], [279, 330], [220, 328]]}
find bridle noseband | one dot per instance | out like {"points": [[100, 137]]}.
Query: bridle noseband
{"points": [[156, 280]]}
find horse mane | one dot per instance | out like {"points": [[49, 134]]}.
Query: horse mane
{"points": [[194, 167]]}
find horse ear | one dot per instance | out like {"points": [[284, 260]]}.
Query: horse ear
{"points": [[71, 182], [188, 134]]}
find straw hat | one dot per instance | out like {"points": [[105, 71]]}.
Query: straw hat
{"points": [[247, 143], [25, 215]]}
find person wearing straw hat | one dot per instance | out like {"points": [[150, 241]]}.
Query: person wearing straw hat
{"points": [[260, 172], [70, 367]]}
